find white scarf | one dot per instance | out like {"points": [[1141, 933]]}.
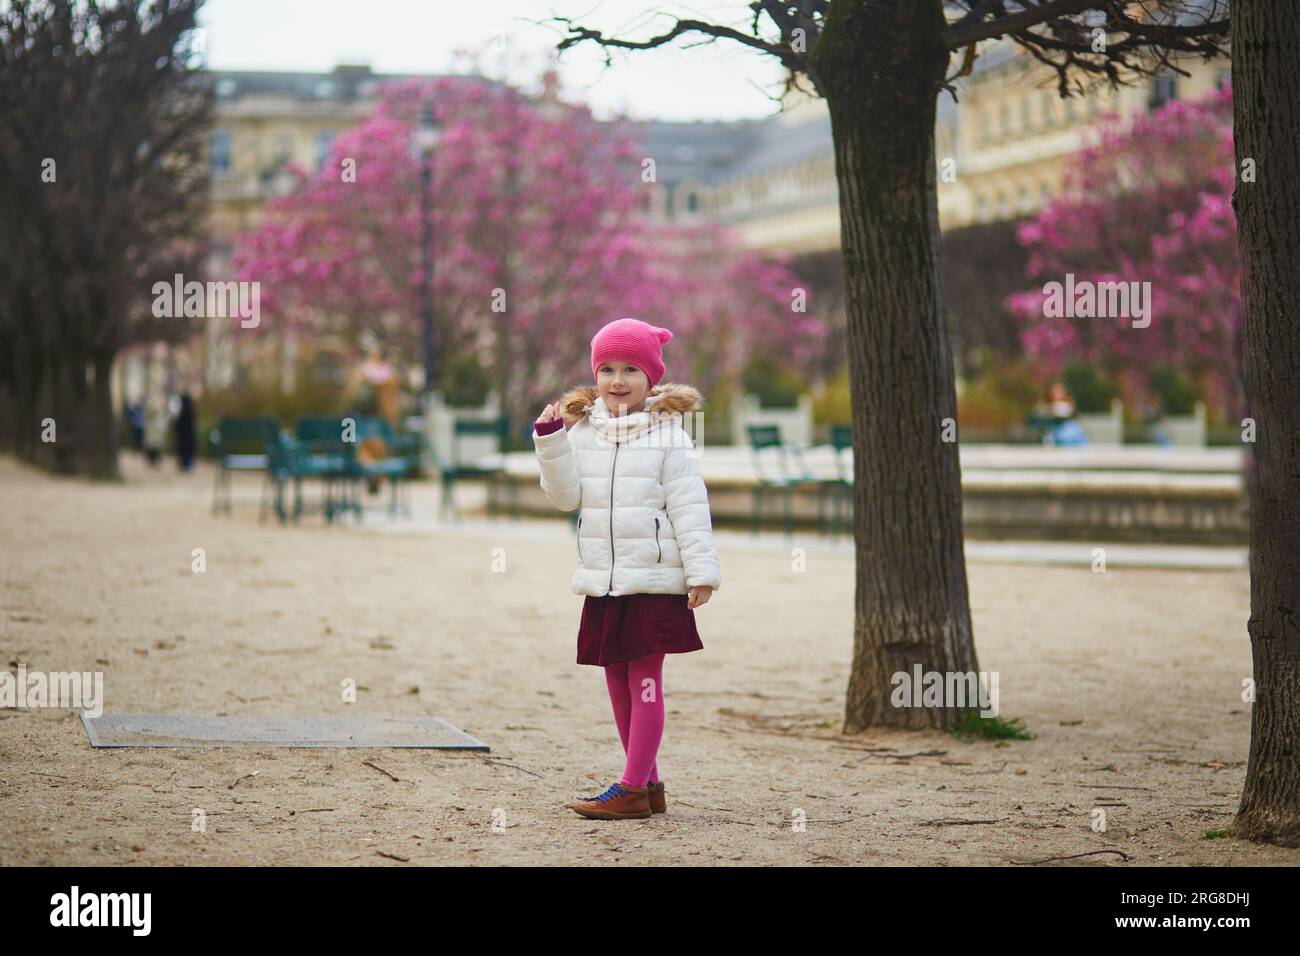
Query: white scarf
{"points": [[624, 428]]}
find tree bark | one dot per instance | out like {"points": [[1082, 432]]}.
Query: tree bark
{"points": [[881, 63], [1266, 119], [24, 400], [102, 422]]}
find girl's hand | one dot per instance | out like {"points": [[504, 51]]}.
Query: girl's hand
{"points": [[699, 595], [549, 413]]}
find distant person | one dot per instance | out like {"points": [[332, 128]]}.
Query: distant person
{"points": [[135, 418], [1065, 429], [1159, 431], [373, 390], [157, 418], [1060, 402], [185, 432]]}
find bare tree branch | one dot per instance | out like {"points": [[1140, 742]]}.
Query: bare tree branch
{"points": [[967, 31], [1201, 36], [1057, 33], [788, 16], [578, 34]]}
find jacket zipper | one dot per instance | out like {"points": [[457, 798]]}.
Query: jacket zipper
{"points": [[657, 545], [611, 520], [579, 540]]}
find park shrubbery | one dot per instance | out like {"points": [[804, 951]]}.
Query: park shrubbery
{"points": [[1091, 392], [260, 395], [1000, 398], [774, 384], [834, 406]]}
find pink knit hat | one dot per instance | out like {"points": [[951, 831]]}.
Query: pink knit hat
{"points": [[633, 340]]}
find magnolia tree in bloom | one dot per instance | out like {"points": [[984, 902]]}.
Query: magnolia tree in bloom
{"points": [[1148, 202], [538, 240]]}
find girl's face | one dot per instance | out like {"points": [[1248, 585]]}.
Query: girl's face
{"points": [[623, 386]]}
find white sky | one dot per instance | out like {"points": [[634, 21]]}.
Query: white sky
{"points": [[724, 80]]}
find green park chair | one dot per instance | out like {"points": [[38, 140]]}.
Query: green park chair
{"points": [[319, 451], [839, 488], [492, 470], [790, 473], [240, 445], [282, 469], [1040, 424]]}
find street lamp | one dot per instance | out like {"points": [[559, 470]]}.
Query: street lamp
{"points": [[424, 141]]}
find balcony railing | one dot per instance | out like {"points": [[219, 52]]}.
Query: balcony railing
{"points": [[250, 186]]}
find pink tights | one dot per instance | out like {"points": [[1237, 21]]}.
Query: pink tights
{"points": [[636, 691]]}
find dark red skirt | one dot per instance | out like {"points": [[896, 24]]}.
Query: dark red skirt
{"points": [[621, 628]]}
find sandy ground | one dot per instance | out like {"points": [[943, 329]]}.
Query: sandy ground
{"points": [[1131, 679]]}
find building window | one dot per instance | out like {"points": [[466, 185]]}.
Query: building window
{"points": [[1025, 204], [1044, 195], [220, 152], [324, 141], [1164, 89], [1003, 207], [1069, 109], [1223, 78], [1049, 117], [1004, 118], [686, 196], [653, 201], [982, 208], [985, 123], [1026, 113]]}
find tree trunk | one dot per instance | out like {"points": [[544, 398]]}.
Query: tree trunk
{"points": [[71, 451], [1266, 118], [25, 388], [880, 63], [101, 422]]}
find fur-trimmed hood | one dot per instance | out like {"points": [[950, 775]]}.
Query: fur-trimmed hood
{"points": [[666, 398]]}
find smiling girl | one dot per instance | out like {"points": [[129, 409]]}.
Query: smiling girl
{"points": [[619, 454]]}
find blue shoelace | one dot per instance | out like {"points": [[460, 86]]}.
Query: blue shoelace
{"points": [[615, 790]]}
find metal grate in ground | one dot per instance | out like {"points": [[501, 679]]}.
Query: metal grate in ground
{"points": [[211, 730]]}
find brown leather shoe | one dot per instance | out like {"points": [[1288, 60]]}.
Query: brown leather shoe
{"points": [[619, 802], [657, 802]]}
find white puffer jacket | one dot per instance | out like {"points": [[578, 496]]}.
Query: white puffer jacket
{"points": [[658, 536]]}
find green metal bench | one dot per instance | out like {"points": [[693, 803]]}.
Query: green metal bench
{"points": [[493, 471], [241, 445], [283, 454], [318, 450], [840, 488], [791, 471]]}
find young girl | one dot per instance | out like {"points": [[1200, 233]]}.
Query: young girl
{"points": [[646, 560]]}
